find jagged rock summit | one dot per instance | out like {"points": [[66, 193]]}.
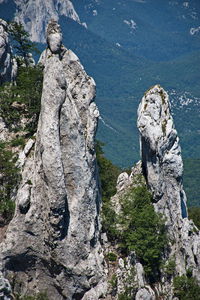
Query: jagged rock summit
{"points": [[8, 65], [52, 243]]}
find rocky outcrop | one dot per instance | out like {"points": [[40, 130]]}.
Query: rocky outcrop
{"points": [[35, 15], [161, 170], [52, 243], [162, 166], [126, 275], [5, 289], [161, 155], [8, 65]]}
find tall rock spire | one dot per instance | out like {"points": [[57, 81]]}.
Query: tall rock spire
{"points": [[52, 243], [163, 168], [161, 154]]}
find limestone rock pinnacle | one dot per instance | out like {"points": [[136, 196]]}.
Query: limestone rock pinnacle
{"points": [[52, 243], [162, 167]]}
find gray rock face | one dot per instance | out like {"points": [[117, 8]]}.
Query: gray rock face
{"points": [[35, 15], [5, 289], [145, 294], [8, 65], [163, 168], [52, 243], [161, 153]]}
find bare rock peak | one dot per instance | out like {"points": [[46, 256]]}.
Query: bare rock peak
{"points": [[54, 36], [160, 149], [52, 243], [163, 169]]}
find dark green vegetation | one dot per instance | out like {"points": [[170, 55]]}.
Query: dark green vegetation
{"points": [[16, 102], [20, 40], [143, 230], [22, 100], [186, 288], [8, 182], [111, 256], [125, 296], [194, 214], [108, 177], [170, 267], [138, 228]]}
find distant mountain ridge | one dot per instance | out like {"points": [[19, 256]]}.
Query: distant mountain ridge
{"points": [[34, 15]]}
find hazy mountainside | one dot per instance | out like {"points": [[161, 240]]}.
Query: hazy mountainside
{"points": [[127, 47], [191, 181], [121, 80], [142, 26], [34, 15], [160, 31]]}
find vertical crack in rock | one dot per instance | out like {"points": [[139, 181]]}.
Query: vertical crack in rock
{"points": [[163, 168], [52, 243]]}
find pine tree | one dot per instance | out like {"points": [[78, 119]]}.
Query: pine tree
{"points": [[20, 40]]}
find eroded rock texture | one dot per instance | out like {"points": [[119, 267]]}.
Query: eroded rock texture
{"points": [[52, 243], [5, 289], [8, 65], [163, 168]]}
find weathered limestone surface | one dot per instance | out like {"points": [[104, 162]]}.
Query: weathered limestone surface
{"points": [[8, 65], [52, 243], [5, 289], [163, 168]]}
